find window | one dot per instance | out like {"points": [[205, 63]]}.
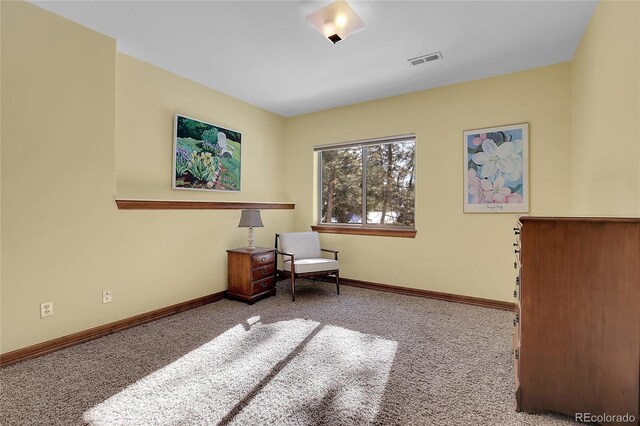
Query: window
{"points": [[368, 184]]}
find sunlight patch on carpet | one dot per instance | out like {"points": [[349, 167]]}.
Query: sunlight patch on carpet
{"points": [[339, 376], [317, 370]]}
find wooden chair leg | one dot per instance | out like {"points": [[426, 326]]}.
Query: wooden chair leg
{"points": [[338, 281], [293, 287]]}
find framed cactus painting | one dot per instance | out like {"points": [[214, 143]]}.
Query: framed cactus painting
{"points": [[496, 169], [206, 157]]}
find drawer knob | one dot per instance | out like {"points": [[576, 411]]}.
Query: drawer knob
{"points": [[264, 272], [515, 265], [263, 258], [264, 285], [517, 280], [515, 244], [516, 231], [516, 353], [515, 293], [517, 251]]}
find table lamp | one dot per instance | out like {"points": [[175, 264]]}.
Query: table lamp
{"points": [[250, 219]]}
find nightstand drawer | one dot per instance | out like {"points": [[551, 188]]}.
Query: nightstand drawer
{"points": [[262, 272], [261, 259], [263, 285]]}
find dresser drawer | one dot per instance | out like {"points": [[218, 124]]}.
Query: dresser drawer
{"points": [[262, 272], [261, 259], [263, 285]]}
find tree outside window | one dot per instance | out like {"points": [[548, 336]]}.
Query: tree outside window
{"points": [[369, 184]]}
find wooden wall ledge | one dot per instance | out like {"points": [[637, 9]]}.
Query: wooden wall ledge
{"points": [[199, 205]]}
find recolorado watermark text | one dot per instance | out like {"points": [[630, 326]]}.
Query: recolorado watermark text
{"points": [[605, 418]]}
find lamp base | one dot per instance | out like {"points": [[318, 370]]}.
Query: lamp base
{"points": [[251, 240]]}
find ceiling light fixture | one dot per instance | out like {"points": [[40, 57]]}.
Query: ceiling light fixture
{"points": [[336, 22]]}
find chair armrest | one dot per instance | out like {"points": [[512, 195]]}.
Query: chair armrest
{"points": [[282, 253], [335, 252], [293, 263]]}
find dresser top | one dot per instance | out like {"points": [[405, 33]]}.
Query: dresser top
{"points": [[578, 219]]}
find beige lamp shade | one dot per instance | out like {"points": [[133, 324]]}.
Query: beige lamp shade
{"points": [[250, 219]]}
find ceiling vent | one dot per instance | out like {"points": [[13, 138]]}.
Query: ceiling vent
{"points": [[425, 58]]}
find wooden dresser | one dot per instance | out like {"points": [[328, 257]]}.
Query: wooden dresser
{"points": [[251, 273], [577, 319]]}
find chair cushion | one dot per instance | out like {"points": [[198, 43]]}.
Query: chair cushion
{"points": [[304, 245], [305, 266]]}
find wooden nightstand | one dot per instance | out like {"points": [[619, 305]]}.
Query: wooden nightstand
{"points": [[251, 273]]}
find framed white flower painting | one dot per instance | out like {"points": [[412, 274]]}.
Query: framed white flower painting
{"points": [[496, 169]]}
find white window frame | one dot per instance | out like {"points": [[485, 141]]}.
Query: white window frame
{"points": [[360, 144]]}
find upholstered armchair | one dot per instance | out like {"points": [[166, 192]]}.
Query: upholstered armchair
{"points": [[302, 258]]}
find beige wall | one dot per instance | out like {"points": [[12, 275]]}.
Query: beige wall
{"points": [[148, 99], [453, 252], [57, 173], [605, 105], [76, 119]]}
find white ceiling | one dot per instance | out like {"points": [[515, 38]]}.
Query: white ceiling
{"points": [[267, 54]]}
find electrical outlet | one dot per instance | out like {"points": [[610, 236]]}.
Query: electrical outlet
{"points": [[46, 309], [106, 296]]}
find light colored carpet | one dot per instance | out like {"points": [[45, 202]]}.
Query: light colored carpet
{"points": [[363, 357]]}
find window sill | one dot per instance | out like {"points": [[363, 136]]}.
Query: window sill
{"points": [[360, 230]]}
